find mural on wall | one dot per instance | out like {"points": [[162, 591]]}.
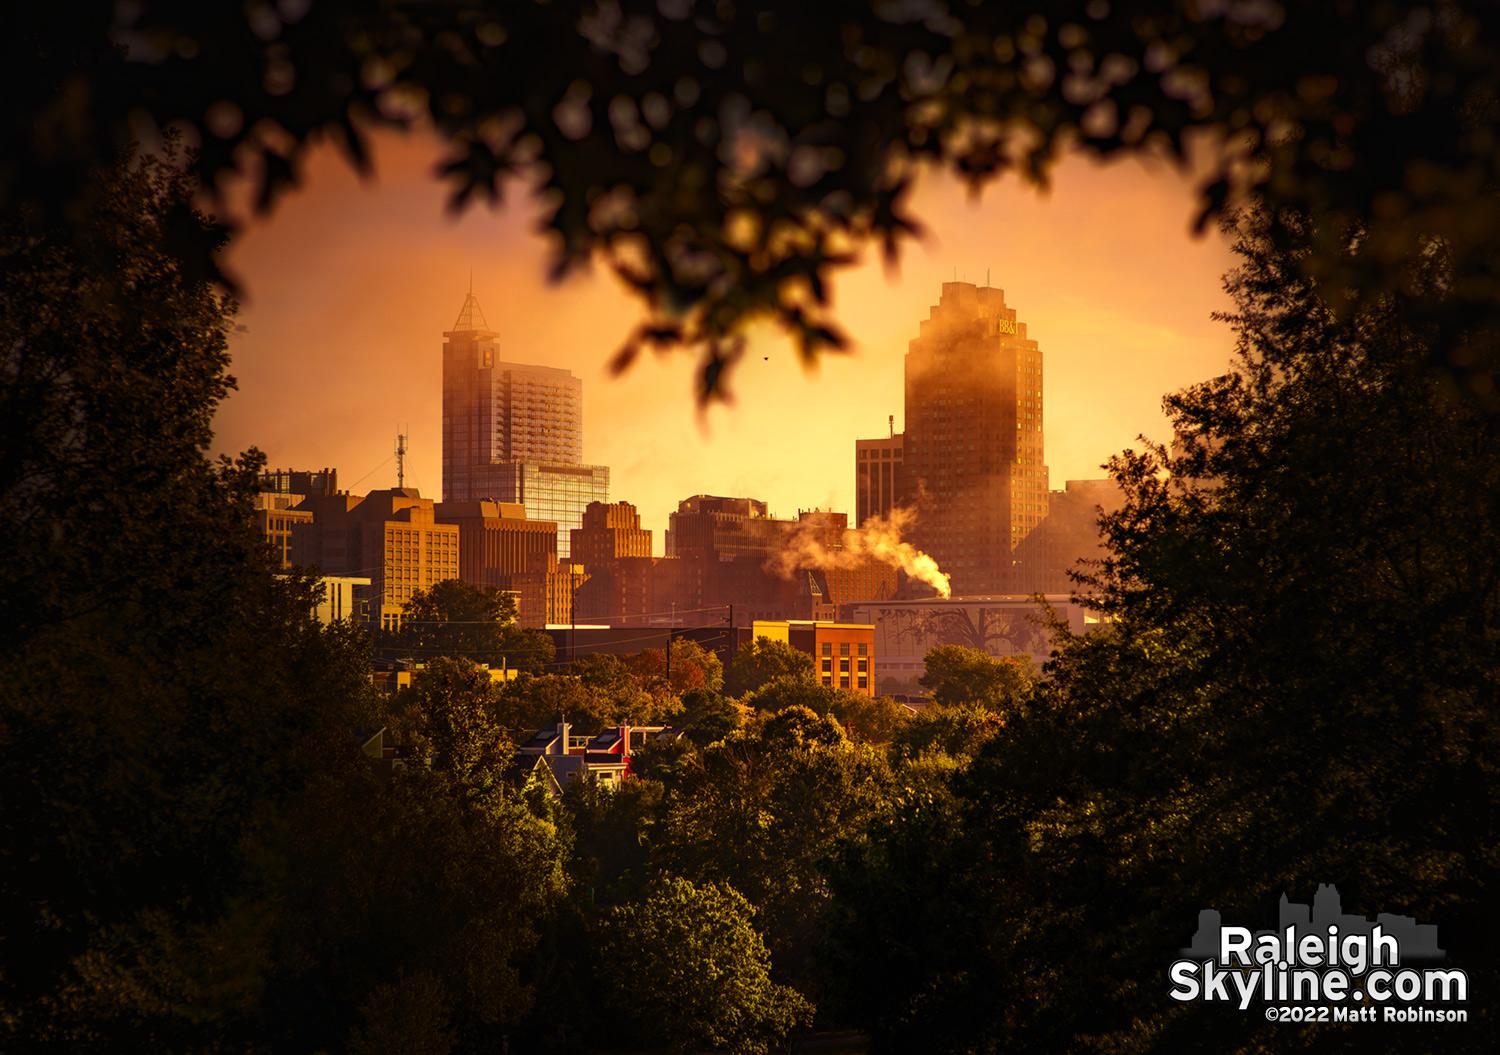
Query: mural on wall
{"points": [[998, 630]]}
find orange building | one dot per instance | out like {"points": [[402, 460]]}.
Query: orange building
{"points": [[844, 653], [495, 541], [499, 548], [610, 531], [276, 519], [391, 537]]}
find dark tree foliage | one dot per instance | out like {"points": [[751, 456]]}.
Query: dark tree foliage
{"points": [[422, 882], [162, 696], [451, 719], [1298, 687], [459, 620], [708, 716], [194, 855], [724, 158], [758, 809]]}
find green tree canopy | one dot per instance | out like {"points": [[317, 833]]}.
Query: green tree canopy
{"points": [[958, 676], [688, 970], [759, 808], [873, 719], [455, 618], [762, 660]]}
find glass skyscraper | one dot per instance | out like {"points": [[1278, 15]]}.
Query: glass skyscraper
{"points": [[513, 432]]}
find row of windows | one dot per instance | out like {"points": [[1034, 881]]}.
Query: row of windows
{"points": [[844, 648], [864, 665], [864, 681]]}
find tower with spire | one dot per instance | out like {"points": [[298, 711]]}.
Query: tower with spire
{"points": [[513, 432]]}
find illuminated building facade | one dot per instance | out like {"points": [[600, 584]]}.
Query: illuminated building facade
{"points": [[513, 432], [390, 537], [974, 467], [877, 475], [610, 531]]}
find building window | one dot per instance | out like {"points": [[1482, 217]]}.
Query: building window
{"points": [[843, 648], [864, 665], [864, 682], [828, 666], [827, 648], [864, 650], [844, 682], [844, 666], [828, 680]]}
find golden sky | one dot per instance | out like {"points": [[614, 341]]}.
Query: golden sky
{"points": [[349, 286]]}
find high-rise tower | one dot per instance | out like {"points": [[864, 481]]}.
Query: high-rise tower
{"points": [[513, 432], [974, 465]]}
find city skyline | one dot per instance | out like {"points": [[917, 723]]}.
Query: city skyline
{"points": [[513, 432], [1118, 335]]}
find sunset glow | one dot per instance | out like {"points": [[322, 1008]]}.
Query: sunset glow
{"points": [[349, 287]]}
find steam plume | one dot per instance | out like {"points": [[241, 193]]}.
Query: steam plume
{"points": [[879, 538]]}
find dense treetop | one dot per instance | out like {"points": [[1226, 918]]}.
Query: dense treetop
{"points": [[724, 157]]}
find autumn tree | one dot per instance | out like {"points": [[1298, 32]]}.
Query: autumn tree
{"points": [[691, 667]]}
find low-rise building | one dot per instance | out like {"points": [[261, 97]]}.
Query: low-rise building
{"points": [[556, 756]]}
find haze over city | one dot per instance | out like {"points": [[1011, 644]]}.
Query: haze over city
{"points": [[350, 285]]}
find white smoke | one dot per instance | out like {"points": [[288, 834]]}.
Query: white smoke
{"points": [[879, 538]]}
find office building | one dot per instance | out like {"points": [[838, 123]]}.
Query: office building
{"points": [[731, 563], [276, 518], [1068, 535], [281, 491], [305, 483], [390, 537], [974, 467], [877, 474], [513, 432], [610, 531]]}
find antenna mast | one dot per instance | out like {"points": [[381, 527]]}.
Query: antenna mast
{"points": [[400, 460]]}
